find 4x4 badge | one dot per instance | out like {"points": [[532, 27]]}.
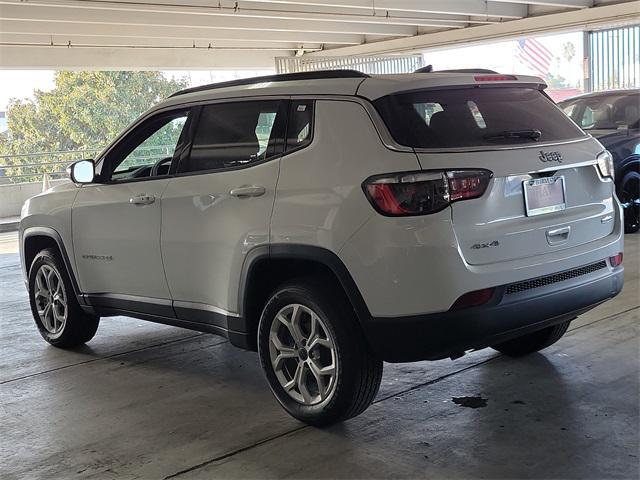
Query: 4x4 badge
{"points": [[550, 157], [478, 246]]}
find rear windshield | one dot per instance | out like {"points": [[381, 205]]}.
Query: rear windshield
{"points": [[472, 117]]}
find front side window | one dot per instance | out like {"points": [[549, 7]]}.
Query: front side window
{"points": [[148, 151], [236, 134], [473, 117]]}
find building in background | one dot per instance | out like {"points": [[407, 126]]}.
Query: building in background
{"points": [[3, 122], [613, 59]]}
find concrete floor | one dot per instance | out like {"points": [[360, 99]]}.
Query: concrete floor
{"points": [[150, 401]]}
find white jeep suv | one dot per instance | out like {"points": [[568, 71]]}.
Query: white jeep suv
{"points": [[332, 221]]}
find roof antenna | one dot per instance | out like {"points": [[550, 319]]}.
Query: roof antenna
{"points": [[427, 69]]}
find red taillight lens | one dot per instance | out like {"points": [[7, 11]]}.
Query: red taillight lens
{"points": [[422, 193], [473, 299], [408, 193], [616, 261], [385, 199]]}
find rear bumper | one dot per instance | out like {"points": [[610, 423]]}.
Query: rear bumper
{"points": [[508, 315]]}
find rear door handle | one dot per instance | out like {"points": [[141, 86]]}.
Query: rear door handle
{"points": [[142, 199], [559, 235], [248, 191]]}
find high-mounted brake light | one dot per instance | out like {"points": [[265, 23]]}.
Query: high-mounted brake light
{"points": [[494, 78], [422, 193]]}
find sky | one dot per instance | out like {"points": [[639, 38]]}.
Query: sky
{"points": [[23, 83], [498, 56]]}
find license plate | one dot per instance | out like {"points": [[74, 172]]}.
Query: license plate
{"points": [[544, 195]]}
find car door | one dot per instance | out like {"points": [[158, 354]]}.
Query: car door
{"points": [[219, 204], [116, 221]]}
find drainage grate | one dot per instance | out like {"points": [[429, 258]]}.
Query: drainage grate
{"points": [[555, 278]]}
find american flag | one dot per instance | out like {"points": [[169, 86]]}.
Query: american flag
{"points": [[535, 56]]}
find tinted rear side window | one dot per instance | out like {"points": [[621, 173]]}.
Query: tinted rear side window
{"points": [[300, 129], [472, 117]]}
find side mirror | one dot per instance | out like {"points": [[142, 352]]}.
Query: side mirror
{"points": [[82, 171]]}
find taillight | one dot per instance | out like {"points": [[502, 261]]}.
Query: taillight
{"points": [[605, 164], [422, 193], [465, 184], [616, 261]]}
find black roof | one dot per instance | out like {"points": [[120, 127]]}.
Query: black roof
{"points": [[283, 77], [429, 69]]}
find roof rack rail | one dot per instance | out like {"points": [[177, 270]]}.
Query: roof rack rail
{"points": [[283, 77]]}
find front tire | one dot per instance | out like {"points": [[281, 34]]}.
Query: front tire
{"points": [[314, 356], [533, 342], [54, 306]]}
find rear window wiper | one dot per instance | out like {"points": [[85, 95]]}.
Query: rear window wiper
{"points": [[529, 133]]}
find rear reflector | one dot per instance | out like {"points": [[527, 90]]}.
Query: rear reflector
{"points": [[473, 299], [494, 78], [616, 261], [422, 193]]}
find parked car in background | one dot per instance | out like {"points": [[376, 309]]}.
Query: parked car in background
{"points": [[613, 117]]}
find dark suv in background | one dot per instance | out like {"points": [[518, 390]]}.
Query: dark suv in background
{"points": [[613, 117]]}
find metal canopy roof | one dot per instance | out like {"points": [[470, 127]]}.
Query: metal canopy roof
{"points": [[191, 34]]}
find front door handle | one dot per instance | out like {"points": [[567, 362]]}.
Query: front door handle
{"points": [[143, 199], [247, 191]]}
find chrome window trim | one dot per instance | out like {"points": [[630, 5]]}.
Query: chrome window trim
{"points": [[499, 148]]}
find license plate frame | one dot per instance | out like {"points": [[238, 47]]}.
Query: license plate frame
{"points": [[544, 195]]}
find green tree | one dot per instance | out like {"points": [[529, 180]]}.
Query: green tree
{"points": [[556, 81], [84, 110]]}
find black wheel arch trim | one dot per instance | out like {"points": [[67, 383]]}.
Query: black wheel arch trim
{"points": [[301, 252], [55, 236]]}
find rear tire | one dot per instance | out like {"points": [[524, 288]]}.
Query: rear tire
{"points": [[533, 342], [313, 353], [54, 306], [628, 192]]}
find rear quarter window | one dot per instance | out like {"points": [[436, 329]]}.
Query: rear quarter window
{"points": [[473, 117]]}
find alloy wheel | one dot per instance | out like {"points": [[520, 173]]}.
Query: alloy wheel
{"points": [[50, 299], [303, 354]]}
